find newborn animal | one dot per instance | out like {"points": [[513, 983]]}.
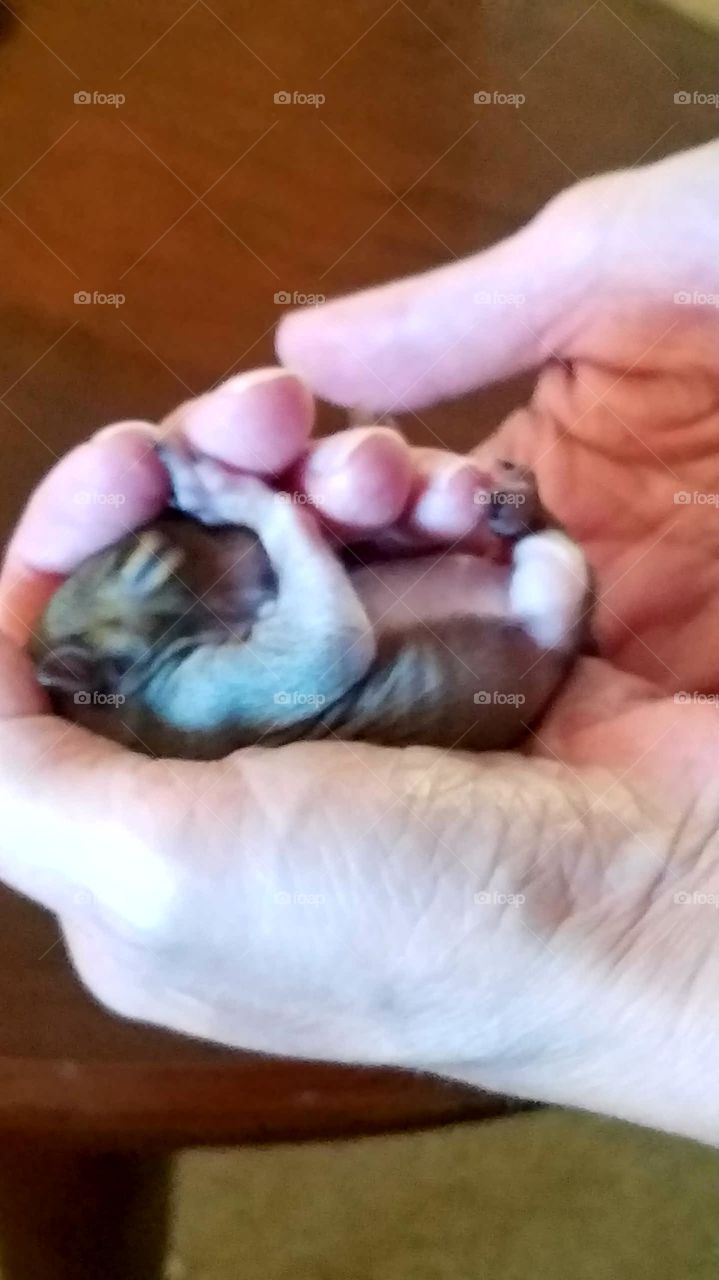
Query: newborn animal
{"points": [[233, 621]]}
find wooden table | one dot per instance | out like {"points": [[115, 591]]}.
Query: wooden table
{"points": [[200, 198]]}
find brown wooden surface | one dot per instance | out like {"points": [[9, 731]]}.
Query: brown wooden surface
{"points": [[397, 171], [82, 1215]]}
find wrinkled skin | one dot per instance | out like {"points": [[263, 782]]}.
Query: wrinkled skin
{"points": [[541, 924]]}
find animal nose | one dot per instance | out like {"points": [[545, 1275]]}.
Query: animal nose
{"points": [[514, 470], [505, 517]]}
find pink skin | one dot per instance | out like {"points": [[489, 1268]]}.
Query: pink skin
{"points": [[360, 480], [596, 985], [276, 411]]}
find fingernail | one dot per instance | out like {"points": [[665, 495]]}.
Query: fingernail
{"points": [[133, 426], [457, 470], [240, 382], [334, 455]]}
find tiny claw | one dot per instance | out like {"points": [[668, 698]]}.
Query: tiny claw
{"points": [[359, 417], [151, 563]]}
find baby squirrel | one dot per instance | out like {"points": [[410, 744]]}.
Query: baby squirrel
{"points": [[231, 621]]}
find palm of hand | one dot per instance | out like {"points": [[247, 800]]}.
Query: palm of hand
{"points": [[365, 823], [611, 451], [628, 464], [610, 454]]}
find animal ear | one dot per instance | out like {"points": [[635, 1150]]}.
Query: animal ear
{"points": [[71, 668]]}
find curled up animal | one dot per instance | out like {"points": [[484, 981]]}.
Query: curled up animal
{"points": [[232, 620]]}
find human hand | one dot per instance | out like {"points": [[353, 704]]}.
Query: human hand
{"points": [[614, 290], [441, 924], [621, 430]]}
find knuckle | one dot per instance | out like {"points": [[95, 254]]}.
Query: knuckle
{"points": [[118, 976]]}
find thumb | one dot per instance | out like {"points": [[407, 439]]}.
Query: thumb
{"points": [[415, 341], [641, 233], [20, 694], [77, 831]]}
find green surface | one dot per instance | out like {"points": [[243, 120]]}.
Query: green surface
{"points": [[552, 1195]]}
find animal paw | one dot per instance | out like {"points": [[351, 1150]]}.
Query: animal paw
{"points": [[209, 492], [511, 501], [549, 586]]}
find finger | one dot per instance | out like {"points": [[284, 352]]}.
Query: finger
{"points": [[259, 421], [359, 479], [67, 804], [415, 341], [23, 595], [365, 481], [94, 494], [91, 498], [448, 497], [20, 694]]}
